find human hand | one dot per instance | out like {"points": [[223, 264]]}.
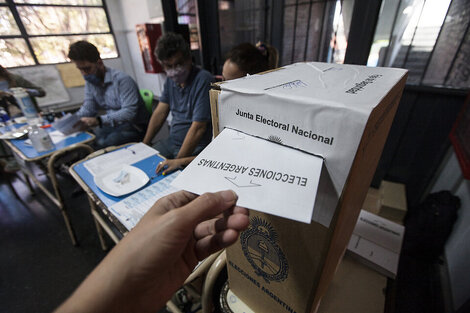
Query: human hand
{"points": [[144, 270], [90, 121], [5, 94], [168, 166]]}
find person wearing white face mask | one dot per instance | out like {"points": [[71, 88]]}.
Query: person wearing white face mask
{"points": [[186, 96], [112, 91]]}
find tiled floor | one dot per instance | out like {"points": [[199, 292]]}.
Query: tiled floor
{"points": [[39, 267]]}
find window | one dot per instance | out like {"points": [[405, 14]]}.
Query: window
{"points": [[430, 38], [243, 21], [40, 31], [316, 30], [187, 15]]}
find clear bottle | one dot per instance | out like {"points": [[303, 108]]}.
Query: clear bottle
{"points": [[40, 139], [27, 106]]}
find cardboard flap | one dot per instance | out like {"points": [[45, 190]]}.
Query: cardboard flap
{"points": [[319, 108], [267, 177]]}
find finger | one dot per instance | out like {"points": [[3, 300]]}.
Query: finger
{"points": [[159, 167], [207, 206], [172, 201], [167, 169], [162, 166], [208, 245], [211, 227]]}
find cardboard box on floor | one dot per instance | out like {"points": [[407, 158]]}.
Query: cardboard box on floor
{"points": [[389, 201], [393, 206], [376, 241], [287, 265]]}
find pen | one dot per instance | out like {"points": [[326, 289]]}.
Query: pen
{"points": [[46, 126]]}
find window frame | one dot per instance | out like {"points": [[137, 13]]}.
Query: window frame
{"points": [[26, 37]]}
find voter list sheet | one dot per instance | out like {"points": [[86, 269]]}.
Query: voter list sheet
{"points": [[130, 210]]}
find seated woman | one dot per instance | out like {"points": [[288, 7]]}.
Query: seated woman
{"points": [[244, 59], [9, 80]]}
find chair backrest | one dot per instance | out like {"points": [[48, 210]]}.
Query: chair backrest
{"points": [[147, 95]]}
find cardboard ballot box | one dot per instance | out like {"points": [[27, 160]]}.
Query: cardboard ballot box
{"points": [[299, 145]]}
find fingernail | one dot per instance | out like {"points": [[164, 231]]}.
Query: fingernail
{"points": [[229, 195]]}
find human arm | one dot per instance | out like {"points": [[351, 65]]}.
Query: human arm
{"points": [[193, 137], [122, 101], [5, 94], [142, 272], [169, 165], [201, 116], [156, 121], [31, 89]]}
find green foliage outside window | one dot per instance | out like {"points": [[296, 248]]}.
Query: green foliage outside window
{"points": [[49, 29]]}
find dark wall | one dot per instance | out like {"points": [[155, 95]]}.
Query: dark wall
{"points": [[418, 139]]}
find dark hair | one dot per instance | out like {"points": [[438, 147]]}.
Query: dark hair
{"points": [[248, 58], [83, 51], [170, 44]]}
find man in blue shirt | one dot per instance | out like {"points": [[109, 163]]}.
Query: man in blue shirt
{"points": [[110, 91], [186, 96]]}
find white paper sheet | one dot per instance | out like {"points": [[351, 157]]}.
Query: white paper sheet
{"points": [[267, 177], [130, 210], [116, 159], [66, 124]]}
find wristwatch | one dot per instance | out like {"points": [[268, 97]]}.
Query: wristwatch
{"points": [[100, 122]]}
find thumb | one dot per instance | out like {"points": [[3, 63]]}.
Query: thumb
{"points": [[207, 206]]}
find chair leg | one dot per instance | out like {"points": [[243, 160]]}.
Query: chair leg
{"points": [[28, 183], [99, 229], [100, 235], [69, 227], [10, 185]]}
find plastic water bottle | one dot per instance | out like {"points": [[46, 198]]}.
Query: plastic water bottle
{"points": [[40, 139], [27, 106], [5, 119]]}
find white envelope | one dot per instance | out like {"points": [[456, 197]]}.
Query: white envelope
{"points": [[266, 176]]}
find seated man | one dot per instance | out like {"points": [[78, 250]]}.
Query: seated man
{"points": [[114, 92], [240, 60], [186, 96]]}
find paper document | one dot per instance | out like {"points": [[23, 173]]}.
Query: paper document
{"points": [[66, 124], [129, 155], [56, 137], [267, 177], [130, 210]]}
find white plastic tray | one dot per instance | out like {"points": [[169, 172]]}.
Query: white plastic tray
{"points": [[121, 181]]}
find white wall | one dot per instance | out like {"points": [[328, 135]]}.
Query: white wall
{"points": [[457, 249], [136, 12]]}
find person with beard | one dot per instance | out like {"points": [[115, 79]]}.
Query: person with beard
{"points": [[186, 96], [110, 91]]}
